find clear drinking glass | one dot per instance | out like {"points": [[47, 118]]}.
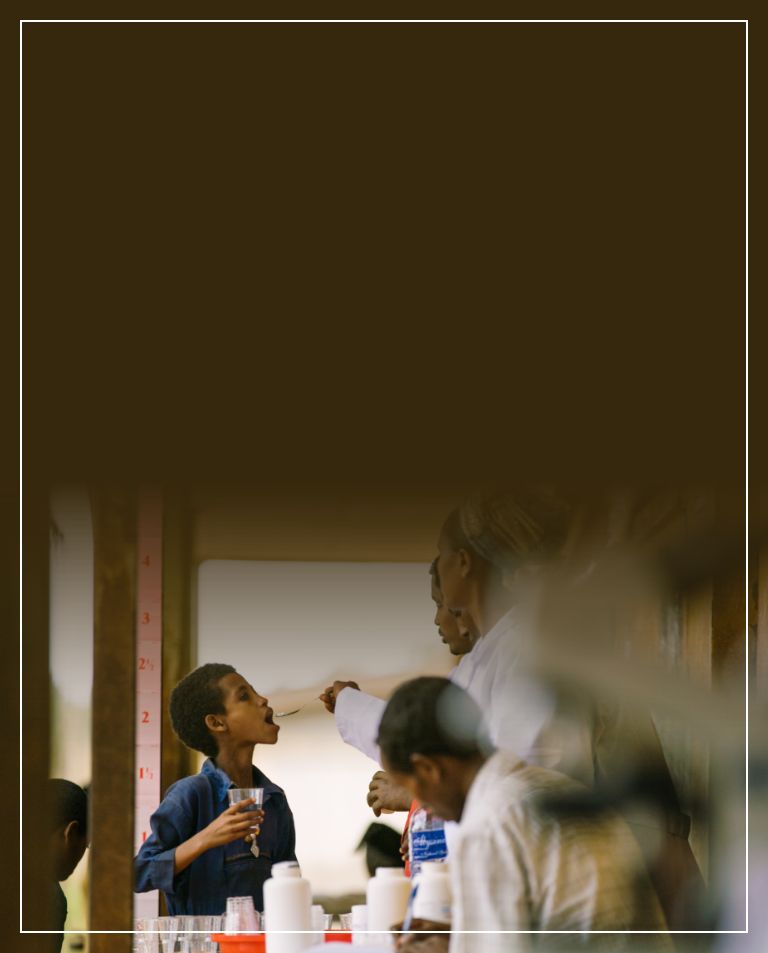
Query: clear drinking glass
{"points": [[360, 925], [321, 921], [195, 934], [346, 922], [146, 938], [241, 916], [168, 930], [242, 794], [216, 926]]}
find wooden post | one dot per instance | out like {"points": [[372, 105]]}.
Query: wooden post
{"points": [[177, 760], [36, 876], [113, 713]]}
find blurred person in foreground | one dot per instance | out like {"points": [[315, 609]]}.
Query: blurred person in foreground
{"points": [[516, 863], [507, 563], [68, 827]]}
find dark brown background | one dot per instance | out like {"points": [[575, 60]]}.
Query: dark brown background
{"points": [[385, 260], [359, 253]]}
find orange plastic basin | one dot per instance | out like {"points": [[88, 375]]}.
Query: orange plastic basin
{"points": [[248, 943], [256, 942]]}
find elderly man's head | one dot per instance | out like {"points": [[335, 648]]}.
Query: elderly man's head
{"points": [[494, 537]]}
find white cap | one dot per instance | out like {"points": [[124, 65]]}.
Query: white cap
{"points": [[434, 867], [390, 873], [286, 868]]}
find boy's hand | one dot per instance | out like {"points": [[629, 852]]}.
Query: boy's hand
{"points": [[234, 823], [385, 795], [329, 696]]}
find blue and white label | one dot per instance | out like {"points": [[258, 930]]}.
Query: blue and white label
{"points": [[427, 845]]}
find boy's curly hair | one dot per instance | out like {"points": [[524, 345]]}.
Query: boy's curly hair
{"points": [[195, 696]]}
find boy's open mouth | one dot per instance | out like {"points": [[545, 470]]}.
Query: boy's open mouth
{"points": [[269, 717]]}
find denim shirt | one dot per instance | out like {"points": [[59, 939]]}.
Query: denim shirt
{"points": [[228, 871]]}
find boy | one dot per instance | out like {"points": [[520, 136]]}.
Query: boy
{"points": [[68, 826], [199, 852]]}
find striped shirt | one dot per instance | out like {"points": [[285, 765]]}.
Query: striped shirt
{"points": [[515, 865]]}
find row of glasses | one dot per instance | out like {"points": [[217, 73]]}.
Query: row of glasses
{"points": [[177, 935]]}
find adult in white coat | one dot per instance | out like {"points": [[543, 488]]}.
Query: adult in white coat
{"points": [[358, 714], [485, 595]]}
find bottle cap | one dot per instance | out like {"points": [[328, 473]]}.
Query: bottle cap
{"points": [[286, 868], [390, 873]]}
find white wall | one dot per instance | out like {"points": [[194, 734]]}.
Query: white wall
{"points": [[291, 626]]}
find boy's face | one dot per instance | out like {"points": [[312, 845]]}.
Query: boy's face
{"points": [[247, 716]]}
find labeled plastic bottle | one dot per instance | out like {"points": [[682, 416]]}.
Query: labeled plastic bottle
{"points": [[287, 906], [426, 839], [387, 902]]}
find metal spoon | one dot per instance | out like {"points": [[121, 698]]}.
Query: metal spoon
{"points": [[284, 714]]}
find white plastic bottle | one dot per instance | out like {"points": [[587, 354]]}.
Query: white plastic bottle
{"points": [[287, 906], [387, 901], [432, 899]]}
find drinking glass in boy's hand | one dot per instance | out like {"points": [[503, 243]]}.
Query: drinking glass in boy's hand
{"points": [[254, 796], [236, 822]]}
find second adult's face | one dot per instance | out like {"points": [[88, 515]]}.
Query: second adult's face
{"points": [[449, 626], [452, 570]]}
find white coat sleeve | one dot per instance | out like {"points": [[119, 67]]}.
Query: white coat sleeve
{"points": [[357, 718]]}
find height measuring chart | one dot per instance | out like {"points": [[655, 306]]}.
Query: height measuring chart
{"points": [[149, 646]]}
